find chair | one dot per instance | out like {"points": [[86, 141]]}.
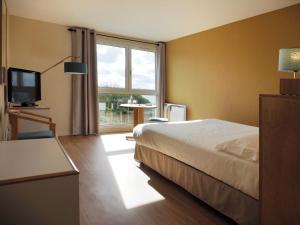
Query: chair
{"points": [[16, 115]]}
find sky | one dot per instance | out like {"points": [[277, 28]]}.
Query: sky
{"points": [[111, 67]]}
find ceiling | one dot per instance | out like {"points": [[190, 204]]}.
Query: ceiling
{"points": [[156, 20]]}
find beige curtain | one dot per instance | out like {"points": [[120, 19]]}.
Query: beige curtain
{"points": [[84, 87], [161, 66]]}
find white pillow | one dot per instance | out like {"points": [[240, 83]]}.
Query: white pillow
{"points": [[246, 147]]}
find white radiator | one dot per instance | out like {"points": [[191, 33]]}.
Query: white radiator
{"points": [[175, 112]]}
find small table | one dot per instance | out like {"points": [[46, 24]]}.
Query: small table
{"points": [[138, 111]]}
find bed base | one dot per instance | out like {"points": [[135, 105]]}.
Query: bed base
{"points": [[231, 202]]}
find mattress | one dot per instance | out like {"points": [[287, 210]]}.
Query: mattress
{"points": [[194, 143], [233, 203]]}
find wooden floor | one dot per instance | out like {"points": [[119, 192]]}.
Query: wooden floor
{"points": [[115, 190]]}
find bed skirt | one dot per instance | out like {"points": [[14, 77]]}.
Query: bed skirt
{"points": [[231, 202]]}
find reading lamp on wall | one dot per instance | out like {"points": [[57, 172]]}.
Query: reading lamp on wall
{"points": [[70, 67], [289, 61]]}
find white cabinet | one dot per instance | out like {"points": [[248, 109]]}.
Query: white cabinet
{"points": [[39, 184]]}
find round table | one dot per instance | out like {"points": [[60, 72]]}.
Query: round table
{"points": [[138, 111]]}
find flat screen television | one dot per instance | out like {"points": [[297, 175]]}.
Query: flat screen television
{"points": [[24, 86]]}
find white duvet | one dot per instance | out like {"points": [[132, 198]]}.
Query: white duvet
{"points": [[194, 143]]}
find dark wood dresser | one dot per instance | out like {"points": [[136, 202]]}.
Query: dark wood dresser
{"points": [[279, 160]]}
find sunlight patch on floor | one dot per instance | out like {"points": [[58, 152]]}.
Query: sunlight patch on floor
{"points": [[132, 182], [116, 142]]}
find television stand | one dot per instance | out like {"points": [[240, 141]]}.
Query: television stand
{"points": [[35, 107], [24, 104]]}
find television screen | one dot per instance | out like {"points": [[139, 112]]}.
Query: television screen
{"points": [[24, 86]]}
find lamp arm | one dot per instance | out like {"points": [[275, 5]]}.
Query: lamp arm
{"points": [[59, 62]]}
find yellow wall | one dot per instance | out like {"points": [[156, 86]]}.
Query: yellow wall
{"points": [[36, 45], [220, 72]]}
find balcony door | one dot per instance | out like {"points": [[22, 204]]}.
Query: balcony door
{"points": [[126, 70]]}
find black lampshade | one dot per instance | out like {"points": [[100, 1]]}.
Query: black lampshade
{"points": [[75, 68]]}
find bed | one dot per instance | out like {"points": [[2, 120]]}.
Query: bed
{"points": [[190, 154]]}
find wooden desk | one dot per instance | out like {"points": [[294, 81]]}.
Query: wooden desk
{"points": [[138, 111], [30, 108], [39, 183]]}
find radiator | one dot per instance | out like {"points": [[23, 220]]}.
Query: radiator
{"points": [[175, 112]]}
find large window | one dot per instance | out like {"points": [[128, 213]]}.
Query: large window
{"points": [[126, 70], [143, 69]]}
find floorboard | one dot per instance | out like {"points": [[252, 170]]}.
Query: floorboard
{"points": [[116, 190]]}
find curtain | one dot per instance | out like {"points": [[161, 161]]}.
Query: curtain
{"points": [[85, 87], [161, 66]]}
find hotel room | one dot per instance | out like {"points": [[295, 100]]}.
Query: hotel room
{"points": [[150, 112]]}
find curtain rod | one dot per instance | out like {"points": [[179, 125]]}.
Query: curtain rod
{"points": [[123, 38]]}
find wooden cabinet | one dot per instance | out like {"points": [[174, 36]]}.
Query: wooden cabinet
{"points": [[279, 160]]}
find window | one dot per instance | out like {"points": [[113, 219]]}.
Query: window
{"points": [[143, 69], [125, 70], [111, 66]]}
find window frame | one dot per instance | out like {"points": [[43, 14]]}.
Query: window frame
{"points": [[129, 45]]}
